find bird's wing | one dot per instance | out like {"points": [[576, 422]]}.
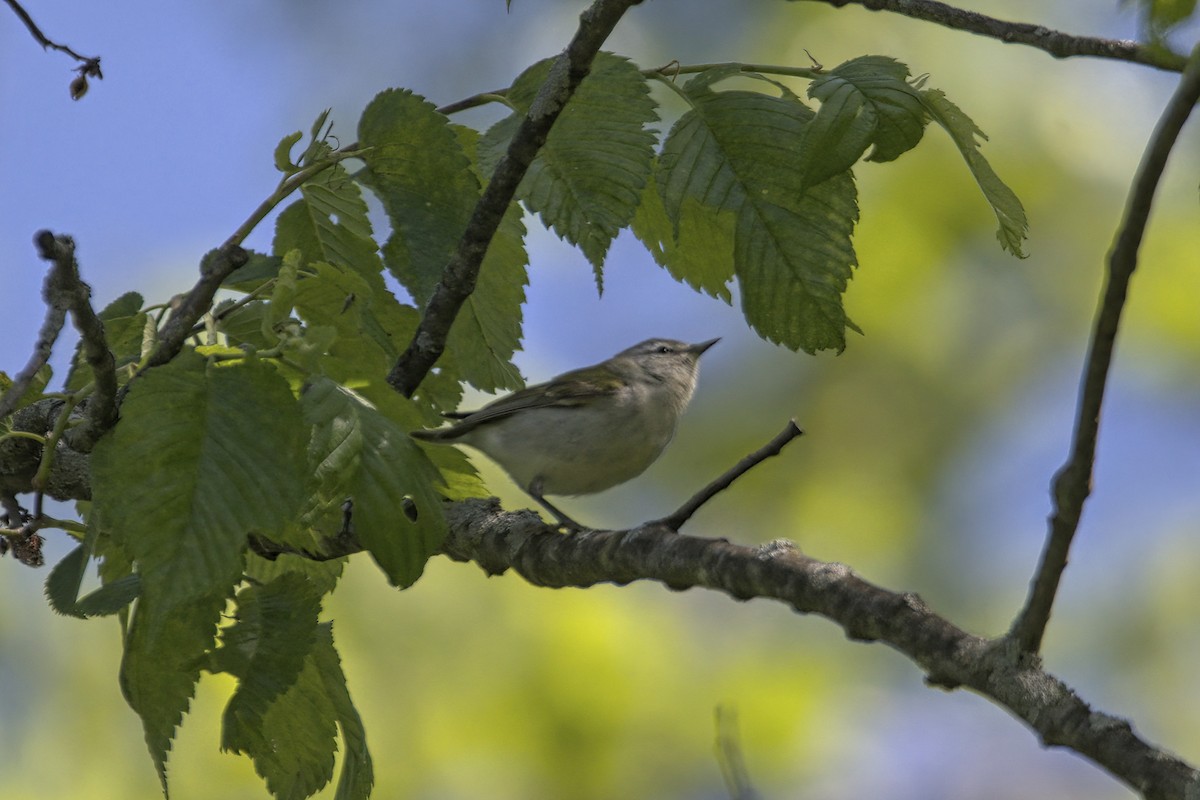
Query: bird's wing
{"points": [[568, 390]]}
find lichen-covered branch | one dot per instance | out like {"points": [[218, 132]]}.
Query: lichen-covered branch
{"points": [[65, 288], [499, 541]]}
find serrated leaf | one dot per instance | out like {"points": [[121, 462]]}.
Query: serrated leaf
{"points": [[1014, 225], [359, 453], [293, 743], [488, 330], [335, 227], [699, 251], [587, 179], [124, 324], [865, 102], [268, 648], [371, 327], [244, 325], [202, 456], [258, 269], [66, 578], [358, 774], [419, 170], [734, 151]]}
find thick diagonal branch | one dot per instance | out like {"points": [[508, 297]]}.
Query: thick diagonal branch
{"points": [[1056, 43], [498, 541], [1073, 482], [461, 273]]}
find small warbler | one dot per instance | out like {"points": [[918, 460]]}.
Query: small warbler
{"points": [[586, 430]]}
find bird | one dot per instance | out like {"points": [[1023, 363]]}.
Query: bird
{"points": [[585, 430]]}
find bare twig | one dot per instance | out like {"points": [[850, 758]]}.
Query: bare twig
{"points": [[1072, 483], [676, 520], [52, 325], [89, 66], [1056, 43], [68, 288], [950, 658], [461, 273]]}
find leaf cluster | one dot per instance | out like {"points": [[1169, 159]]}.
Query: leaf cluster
{"points": [[275, 420]]}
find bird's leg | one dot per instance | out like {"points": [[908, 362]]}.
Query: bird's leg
{"points": [[535, 491]]}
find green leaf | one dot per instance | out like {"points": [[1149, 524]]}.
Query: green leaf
{"points": [[371, 326], [338, 225], [293, 743], [488, 329], [258, 269], [359, 453], [124, 323], [66, 578], [1160, 17], [587, 179], [283, 153], [268, 648], [358, 774], [202, 456], [244, 325], [865, 102], [1014, 226], [699, 251], [734, 151], [418, 168]]}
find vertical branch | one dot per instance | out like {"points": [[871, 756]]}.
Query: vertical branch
{"points": [[1073, 482], [65, 288], [461, 273]]}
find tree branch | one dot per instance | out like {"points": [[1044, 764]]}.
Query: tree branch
{"points": [[66, 287], [220, 263], [1056, 43], [52, 325], [89, 67], [459, 277], [1072, 483], [676, 520], [497, 541]]}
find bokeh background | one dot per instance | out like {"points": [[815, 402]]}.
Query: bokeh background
{"points": [[930, 442]]}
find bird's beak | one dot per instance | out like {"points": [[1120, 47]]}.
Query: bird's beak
{"points": [[697, 349]]}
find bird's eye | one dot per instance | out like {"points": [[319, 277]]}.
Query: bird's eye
{"points": [[662, 348]]}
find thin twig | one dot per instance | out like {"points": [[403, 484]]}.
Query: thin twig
{"points": [[676, 520], [56, 318], [221, 263], [1056, 43], [67, 287], [461, 273], [1072, 483], [89, 66]]}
